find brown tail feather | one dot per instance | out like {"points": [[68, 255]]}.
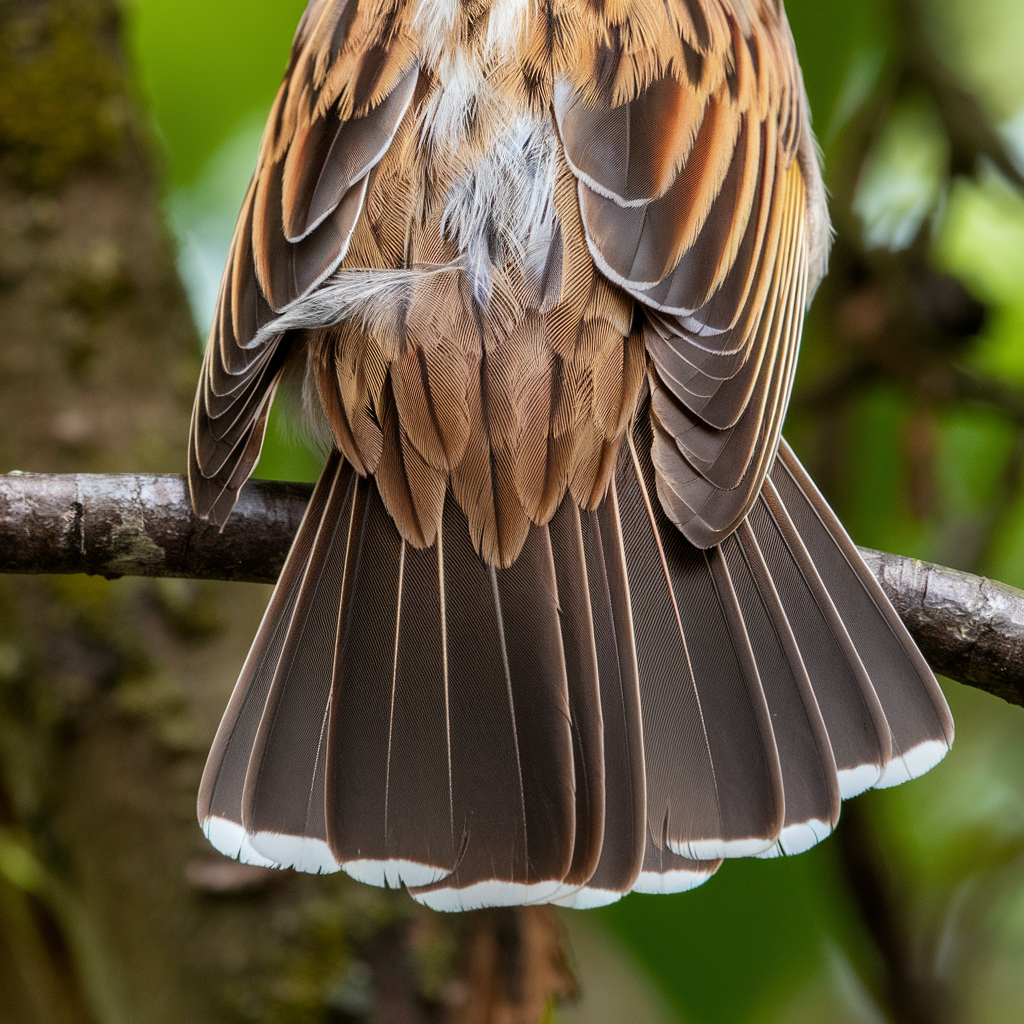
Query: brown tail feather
{"points": [[617, 710], [810, 781], [222, 788], [915, 709], [285, 778], [621, 850], [714, 785]]}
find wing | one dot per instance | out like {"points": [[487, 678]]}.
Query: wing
{"points": [[701, 196], [349, 84]]}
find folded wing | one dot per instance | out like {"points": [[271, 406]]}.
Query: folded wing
{"points": [[348, 87], [701, 197]]}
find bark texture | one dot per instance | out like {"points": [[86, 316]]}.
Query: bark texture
{"points": [[970, 629], [142, 525]]}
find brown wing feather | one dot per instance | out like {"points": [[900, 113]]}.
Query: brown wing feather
{"points": [[680, 126], [348, 87], [700, 196], [703, 510]]}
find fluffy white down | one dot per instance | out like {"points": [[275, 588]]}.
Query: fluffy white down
{"points": [[435, 22], [501, 210], [505, 24], [504, 209]]}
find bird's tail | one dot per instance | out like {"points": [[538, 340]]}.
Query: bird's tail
{"points": [[616, 711]]}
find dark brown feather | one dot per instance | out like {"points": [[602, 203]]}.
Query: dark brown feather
{"points": [[914, 706], [624, 794], [220, 793], [810, 782], [691, 489], [854, 718], [582, 669], [512, 750], [632, 151], [390, 743], [713, 776], [283, 800]]}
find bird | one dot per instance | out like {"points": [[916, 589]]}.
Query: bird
{"points": [[565, 617]]}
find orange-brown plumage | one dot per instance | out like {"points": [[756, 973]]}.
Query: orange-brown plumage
{"points": [[515, 393], [559, 624]]}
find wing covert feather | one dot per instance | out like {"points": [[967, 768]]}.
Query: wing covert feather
{"points": [[349, 85], [698, 197]]}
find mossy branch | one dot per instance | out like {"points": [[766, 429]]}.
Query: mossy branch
{"points": [[969, 628]]}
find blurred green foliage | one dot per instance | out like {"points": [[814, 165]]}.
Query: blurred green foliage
{"points": [[206, 66], [908, 409]]}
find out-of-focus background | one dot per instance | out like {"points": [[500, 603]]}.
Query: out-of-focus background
{"points": [[908, 410]]}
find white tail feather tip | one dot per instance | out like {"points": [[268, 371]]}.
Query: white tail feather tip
{"points": [[916, 761], [718, 849], [229, 838], [664, 883], [393, 874], [487, 894], [798, 838], [588, 899], [854, 781], [298, 852]]}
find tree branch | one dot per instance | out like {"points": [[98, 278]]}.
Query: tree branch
{"points": [[969, 628], [143, 525]]}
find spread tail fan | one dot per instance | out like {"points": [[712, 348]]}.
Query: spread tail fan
{"points": [[618, 710]]}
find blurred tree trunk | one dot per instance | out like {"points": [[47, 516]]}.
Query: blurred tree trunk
{"points": [[113, 909], [108, 692]]}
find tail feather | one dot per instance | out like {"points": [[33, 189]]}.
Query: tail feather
{"points": [[665, 872], [810, 782], [616, 711], [389, 750], [579, 644], [919, 721], [223, 784], [714, 785], [512, 770], [283, 800], [857, 729], [621, 750]]}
